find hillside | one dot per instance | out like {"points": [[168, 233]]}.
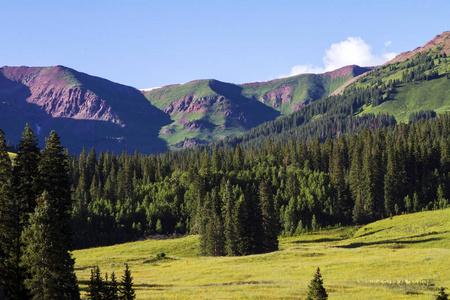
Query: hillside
{"points": [[389, 259], [84, 110], [210, 110], [415, 81], [439, 41], [384, 96]]}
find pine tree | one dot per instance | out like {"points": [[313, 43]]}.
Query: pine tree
{"points": [[126, 289], [49, 264], [270, 223], [441, 295], [230, 234], [240, 225], [95, 288], [316, 291], [25, 174], [48, 240], [113, 292], [8, 221]]}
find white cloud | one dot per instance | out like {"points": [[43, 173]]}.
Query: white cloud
{"points": [[149, 89], [387, 43], [352, 51], [303, 69]]}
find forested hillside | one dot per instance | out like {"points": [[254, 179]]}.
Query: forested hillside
{"points": [[354, 178]]}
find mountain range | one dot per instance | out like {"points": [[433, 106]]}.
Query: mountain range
{"points": [[94, 112]]}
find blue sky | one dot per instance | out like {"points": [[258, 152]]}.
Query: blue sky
{"points": [[154, 43]]}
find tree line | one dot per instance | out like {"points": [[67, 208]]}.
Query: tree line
{"points": [[233, 196]]}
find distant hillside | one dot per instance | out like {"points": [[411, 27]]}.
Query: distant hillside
{"points": [[388, 94], [210, 110], [84, 110], [413, 81], [439, 44]]}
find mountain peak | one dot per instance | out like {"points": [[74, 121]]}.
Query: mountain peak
{"points": [[353, 70], [441, 40]]}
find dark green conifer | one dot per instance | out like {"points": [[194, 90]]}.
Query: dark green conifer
{"points": [[270, 223], [49, 264], [441, 295], [95, 290], [8, 221], [316, 291], [25, 175], [48, 240], [126, 288]]}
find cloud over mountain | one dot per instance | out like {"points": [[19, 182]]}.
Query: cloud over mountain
{"points": [[352, 51]]}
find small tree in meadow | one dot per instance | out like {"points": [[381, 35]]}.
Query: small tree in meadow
{"points": [[441, 295], [126, 289], [316, 291]]}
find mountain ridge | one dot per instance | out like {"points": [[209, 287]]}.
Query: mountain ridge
{"points": [[85, 110]]}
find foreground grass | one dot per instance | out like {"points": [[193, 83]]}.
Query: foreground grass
{"points": [[406, 257]]}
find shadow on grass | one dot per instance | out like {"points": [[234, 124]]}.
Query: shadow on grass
{"points": [[239, 283], [398, 241], [373, 232], [394, 241], [83, 286], [323, 240], [158, 287]]}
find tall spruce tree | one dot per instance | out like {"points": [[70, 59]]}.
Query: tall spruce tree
{"points": [[95, 289], [126, 288], [48, 240], [50, 266], [25, 173], [270, 223], [8, 220]]}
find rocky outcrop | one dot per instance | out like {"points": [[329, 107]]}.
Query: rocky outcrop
{"points": [[279, 96], [84, 110], [51, 89]]}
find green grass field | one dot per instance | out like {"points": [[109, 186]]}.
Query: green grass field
{"points": [[406, 257], [416, 96]]}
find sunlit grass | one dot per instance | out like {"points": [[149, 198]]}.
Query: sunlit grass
{"points": [[403, 257]]}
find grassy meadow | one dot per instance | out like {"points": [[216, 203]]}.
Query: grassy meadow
{"points": [[406, 257]]}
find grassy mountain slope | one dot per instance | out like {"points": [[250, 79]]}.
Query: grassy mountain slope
{"points": [[406, 256], [418, 82], [208, 110], [413, 94], [414, 97]]}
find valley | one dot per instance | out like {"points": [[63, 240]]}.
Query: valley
{"points": [[398, 258]]}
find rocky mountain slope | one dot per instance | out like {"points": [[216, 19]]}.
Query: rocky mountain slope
{"points": [[84, 110], [208, 110], [440, 44]]}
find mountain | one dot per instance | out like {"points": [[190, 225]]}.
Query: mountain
{"points": [[210, 110], [413, 85], [439, 44], [84, 110], [94, 112]]}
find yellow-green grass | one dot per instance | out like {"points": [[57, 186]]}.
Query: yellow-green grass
{"points": [[406, 257]]}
